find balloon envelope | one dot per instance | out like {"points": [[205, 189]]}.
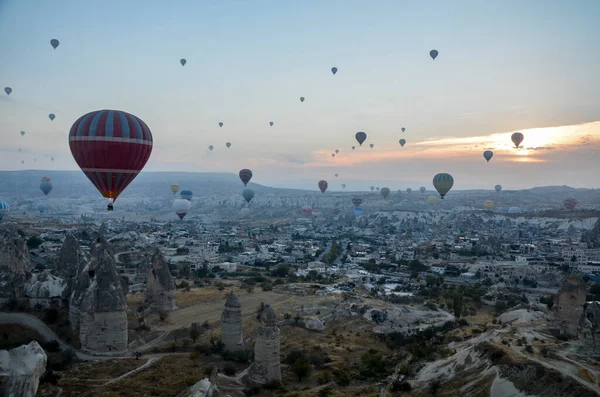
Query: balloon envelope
{"points": [[54, 43], [210, 147], [488, 154], [46, 185], [248, 194], [220, 124], [307, 210], [570, 204], [443, 183], [422, 189], [174, 188], [432, 200], [343, 185], [402, 142], [111, 147], [356, 202], [514, 210], [488, 204], [181, 207], [322, 186], [245, 176], [42, 207], [337, 151], [408, 190], [51, 116], [22, 133], [4, 209], [498, 188], [228, 144], [403, 129], [360, 137], [244, 212], [8, 90], [186, 195], [334, 70], [358, 212], [433, 54], [271, 123], [371, 146], [517, 138], [182, 61], [353, 147], [301, 99], [385, 192]]}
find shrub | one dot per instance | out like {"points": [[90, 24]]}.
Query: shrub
{"points": [[195, 332], [324, 378], [207, 371], [195, 355], [163, 316], [529, 349], [341, 378], [301, 368], [293, 356], [401, 386], [326, 392], [229, 369]]}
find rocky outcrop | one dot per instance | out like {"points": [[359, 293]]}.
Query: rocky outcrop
{"points": [[592, 237], [21, 369], [44, 289], [69, 258], [160, 286], [14, 264], [79, 287], [266, 367], [103, 310], [569, 305], [231, 324], [312, 324]]}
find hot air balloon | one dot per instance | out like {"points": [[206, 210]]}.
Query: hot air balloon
{"points": [[228, 144], [51, 116], [322, 186], [498, 188], [371, 146], [488, 204], [4, 209], [336, 175], [570, 204], [248, 194], [175, 188], [332, 154], [377, 188], [301, 99], [182, 61], [245, 176], [307, 210], [517, 138], [432, 200], [422, 189], [22, 161], [433, 54], [353, 147], [358, 212], [408, 190], [186, 195], [42, 207], [54, 43], [181, 207], [271, 123], [111, 147], [403, 129], [360, 137], [316, 213], [402, 142], [20, 150], [372, 188], [220, 124], [337, 151], [343, 185], [334, 70], [244, 212], [8, 90], [443, 183], [46, 185], [52, 158], [356, 202], [210, 147], [22, 133], [488, 154], [514, 210], [385, 192]]}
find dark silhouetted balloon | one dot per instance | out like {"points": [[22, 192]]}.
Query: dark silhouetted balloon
{"points": [[433, 54], [334, 70], [182, 61], [8, 90], [360, 137], [54, 43], [245, 175]]}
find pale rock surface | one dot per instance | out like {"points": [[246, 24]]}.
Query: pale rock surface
{"points": [[313, 324], [103, 311], [21, 369], [43, 288], [14, 264], [520, 316], [231, 324], [160, 285], [266, 367]]}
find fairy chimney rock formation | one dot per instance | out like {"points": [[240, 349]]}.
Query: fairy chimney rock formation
{"points": [[231, 324], [569, 306], [21, 369], [103, 311], [69, 258], [266, 367], [160, 286], [14, 264]]}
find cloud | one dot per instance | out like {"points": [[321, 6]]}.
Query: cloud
{"points": [[293, 160]]}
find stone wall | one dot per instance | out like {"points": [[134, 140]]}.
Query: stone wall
{"points": [[104, 331]]}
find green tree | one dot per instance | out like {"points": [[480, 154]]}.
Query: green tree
{"points": [[195, 331], [457, 303], [34, 241], [301, 368]]}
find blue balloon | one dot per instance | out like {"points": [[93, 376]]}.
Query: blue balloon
{"points": [[186, 195]]}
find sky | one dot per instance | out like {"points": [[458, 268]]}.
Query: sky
{"points": [[503, 66]]}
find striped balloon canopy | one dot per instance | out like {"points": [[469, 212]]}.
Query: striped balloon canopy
{"points": [[111, 147], [443, 183], [4, 209], [245, 175]]}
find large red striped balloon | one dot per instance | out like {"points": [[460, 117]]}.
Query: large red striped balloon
{"points": [[111, 147]]}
